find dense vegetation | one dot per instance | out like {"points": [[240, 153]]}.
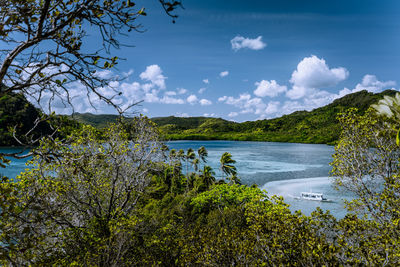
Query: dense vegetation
{"points": [[18, 116], [21, 123], [97, 121], [317, 126], [119, 198]]}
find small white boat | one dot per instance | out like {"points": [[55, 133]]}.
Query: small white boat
{"points": [[313, 196]]}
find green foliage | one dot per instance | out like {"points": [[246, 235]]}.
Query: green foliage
{"points": [[366, 162], [98, 121], [80, 208], [316, 126], [118, 197]]}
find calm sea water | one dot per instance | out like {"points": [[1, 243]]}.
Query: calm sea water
{"points": [[285, 169]]}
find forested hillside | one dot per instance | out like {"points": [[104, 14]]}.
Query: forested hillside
{"points": [[20, 120], [98, 121], [316, 126], [17, 114]]}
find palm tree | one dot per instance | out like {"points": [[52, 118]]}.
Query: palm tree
{"points": [[207, 175], [190, 155], [195, 164], [203, 154], [227, 166], [181, 154], [233, 179]]}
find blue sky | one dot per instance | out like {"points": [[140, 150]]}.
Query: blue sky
{"points": [[248, 60]]}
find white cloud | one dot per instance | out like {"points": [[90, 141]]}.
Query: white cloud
{"points": [[170, 93], [205, 102], [269, 88], [369, 83], [145, 110], [192, 99], [153, 73], [232, 114], [209, 115], [245, 102], [313, 73], [182, 91], [222, 98], [103, 74], [224, 73], [206, 81], [201, 90], [184, 115], [240, 42], [372, 84], [291, 106], [171, 100], [272, 107]]}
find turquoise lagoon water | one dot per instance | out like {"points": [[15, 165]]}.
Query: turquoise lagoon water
{"points": [[284, 169]]}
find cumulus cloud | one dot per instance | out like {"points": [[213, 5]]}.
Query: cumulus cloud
{"points": [[206, 81], [170, 93], [183, 115], [201, 90], [224, 73], [269, 88], [232, 114], [149, 92], [272, 107], [192, 99], [181, 91], [372, 84], [153, 73], [209, 115], [313, 73], [240, 42], [245, 102], [205, 102], [104, 74], [369, 83], [171, 100]]}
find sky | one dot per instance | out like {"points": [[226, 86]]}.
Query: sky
{"points": [[250, 60]]}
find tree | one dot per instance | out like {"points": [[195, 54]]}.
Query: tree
{"points": [[366, 162], [207, 176], [81, 206], [44, 50], [227, 166], [203, 154]]}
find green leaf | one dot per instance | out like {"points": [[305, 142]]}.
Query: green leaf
{"points": [[398, 138]]}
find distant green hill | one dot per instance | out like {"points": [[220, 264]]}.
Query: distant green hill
{"points": [[98, 121], [316, 126]]}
